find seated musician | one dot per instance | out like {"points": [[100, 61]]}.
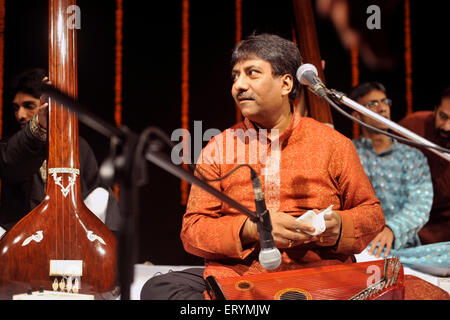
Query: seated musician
{"points": [[401, 178], [435, 127], [399, 174], [23, 159], [307, 166]]}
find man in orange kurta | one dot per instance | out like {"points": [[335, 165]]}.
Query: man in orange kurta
{"points": [[318, 167], [303, 165]]}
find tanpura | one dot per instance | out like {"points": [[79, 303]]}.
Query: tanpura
{"points": [[306, 33], [60, 246]]}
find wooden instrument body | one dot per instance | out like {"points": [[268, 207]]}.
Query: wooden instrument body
{"points": [[57, 231], [338, 282], [61, 228], [305, 29]]}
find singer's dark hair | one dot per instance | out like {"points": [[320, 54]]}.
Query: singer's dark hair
{"points": [[29, 82], [364, 88], [282, 54]]}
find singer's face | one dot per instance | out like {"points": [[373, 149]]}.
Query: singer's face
{"points": [[375, 99], [25, 107], [260, 95], [442, 119]]}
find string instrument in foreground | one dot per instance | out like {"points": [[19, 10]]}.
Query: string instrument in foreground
{"points": [[60, 246], [374, 280], [306, 33]]}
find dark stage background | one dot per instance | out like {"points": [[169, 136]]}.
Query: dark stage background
{"points": [[152, 77]]}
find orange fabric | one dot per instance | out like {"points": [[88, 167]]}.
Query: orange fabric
{"points": [[418, 289], [318, 167]]}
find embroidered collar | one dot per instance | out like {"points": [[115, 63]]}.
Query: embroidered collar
{"points": [[295, 120]]}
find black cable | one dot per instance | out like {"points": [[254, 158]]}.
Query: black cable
{"points": [[155, 155], [156, 131], [228, 174]]}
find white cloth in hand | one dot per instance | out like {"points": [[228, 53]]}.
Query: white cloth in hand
{"points": [[316, 220]]}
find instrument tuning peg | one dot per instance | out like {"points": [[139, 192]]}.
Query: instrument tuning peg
{"points": [[55, 285]]}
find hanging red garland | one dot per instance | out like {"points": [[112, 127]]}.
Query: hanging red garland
{"points": [[238, 5], [118, 73], [185, 87], [354, 53], [2, 47], [118, 70], [408, 59]]}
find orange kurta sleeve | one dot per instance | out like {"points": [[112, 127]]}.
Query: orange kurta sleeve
{"points": [[208, 230], [362, 217]]}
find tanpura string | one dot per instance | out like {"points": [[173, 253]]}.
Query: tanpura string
{"points": [[408, 59], [63, 136], [60, 162], [62, 209], [71, 84], [185, 88], [53, 77]]}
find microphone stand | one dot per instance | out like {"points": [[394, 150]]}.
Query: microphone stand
{"points": [[129, 171], [342, 98]]}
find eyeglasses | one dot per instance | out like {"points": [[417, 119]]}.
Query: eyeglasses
{"points": [[376, 103]]}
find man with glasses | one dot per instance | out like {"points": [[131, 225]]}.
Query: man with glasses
{"points": [[399, 174]]}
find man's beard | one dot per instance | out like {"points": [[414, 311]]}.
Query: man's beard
{"points": [[443, 136]]}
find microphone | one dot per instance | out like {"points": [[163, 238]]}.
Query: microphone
{"points": [[269, 256], [307, 75]]}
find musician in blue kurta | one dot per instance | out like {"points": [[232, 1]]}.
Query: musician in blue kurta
{"points": [[401, 178]]}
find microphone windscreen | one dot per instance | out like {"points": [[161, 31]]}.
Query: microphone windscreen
{"points": [[270, 258], [302, 70]]}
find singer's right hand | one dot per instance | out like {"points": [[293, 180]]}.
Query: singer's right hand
{"points": [[286, 231], [43, 109]]}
